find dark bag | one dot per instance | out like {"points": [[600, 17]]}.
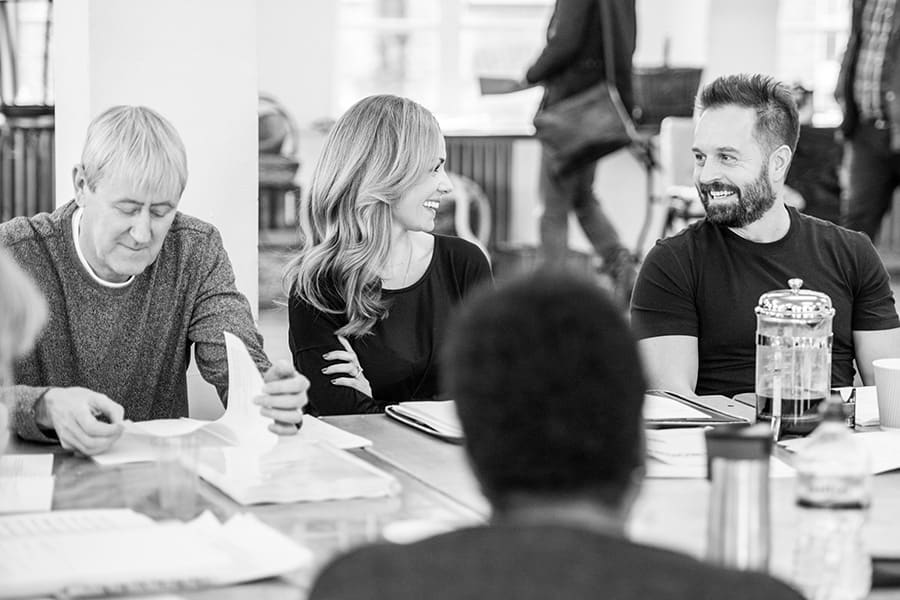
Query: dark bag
{"points": [[583, 128], [591, 124]]}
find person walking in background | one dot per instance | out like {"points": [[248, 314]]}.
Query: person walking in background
{"points": [[868, 91], [23, 312], [571, 62], [372, 288]]}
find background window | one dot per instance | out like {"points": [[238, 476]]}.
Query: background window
{"points": [[433, 52]]}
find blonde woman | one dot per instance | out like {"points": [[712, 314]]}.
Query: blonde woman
{"points": [[22, 314], [372, 287]]}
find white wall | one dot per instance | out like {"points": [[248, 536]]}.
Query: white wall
{"points": [[196, 63], [297, 48]]}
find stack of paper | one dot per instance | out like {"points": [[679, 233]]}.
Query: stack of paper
{"points": [[116, 551], [26, 482], [242, 424], [308, 471]]}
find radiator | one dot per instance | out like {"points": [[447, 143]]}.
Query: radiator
{"points": [[488, 162], [26, 168]]}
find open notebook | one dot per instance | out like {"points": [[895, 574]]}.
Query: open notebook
{"points": [[74, 553]]}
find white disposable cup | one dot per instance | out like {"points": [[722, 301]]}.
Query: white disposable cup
{"points": [[887, 386]]}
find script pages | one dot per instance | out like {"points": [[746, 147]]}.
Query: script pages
{"points": [[118, 551], [241, 425]]}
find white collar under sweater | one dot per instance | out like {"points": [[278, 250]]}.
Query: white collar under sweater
{"points": [[76, 229]]}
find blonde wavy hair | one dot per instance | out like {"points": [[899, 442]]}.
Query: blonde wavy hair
{"points": [[374, 153], [23, 312]]}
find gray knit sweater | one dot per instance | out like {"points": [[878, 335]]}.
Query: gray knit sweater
{"points": [[132, 343]]}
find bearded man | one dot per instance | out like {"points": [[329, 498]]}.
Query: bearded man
{"points": [[694, 298]]}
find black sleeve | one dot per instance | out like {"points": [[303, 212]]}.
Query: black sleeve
{"points": [[311, 334], [476, 271], [873, 301], [663, 300], [572, 22]]}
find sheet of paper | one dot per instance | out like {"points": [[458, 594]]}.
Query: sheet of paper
{"points": [[26, 483], [26, 494], [681, 453], [866, 405], [883, 448], [315, 430], [26, 465], [240, 425], [657, 408], [81, 550], [242, 416], [164, 427], [130, 448]]}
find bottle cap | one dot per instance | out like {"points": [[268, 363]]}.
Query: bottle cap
{"points": [[738, 442]]}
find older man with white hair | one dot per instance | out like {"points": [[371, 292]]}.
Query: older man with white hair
{"points": [[132, 285]]}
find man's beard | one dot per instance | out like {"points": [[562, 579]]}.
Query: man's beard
{"points": [[753, 201]]}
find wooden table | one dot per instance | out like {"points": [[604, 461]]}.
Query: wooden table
{"points": [[437, 486]]}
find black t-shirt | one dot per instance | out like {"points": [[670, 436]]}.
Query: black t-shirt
{"points": [[400, 356], [706, 281]]}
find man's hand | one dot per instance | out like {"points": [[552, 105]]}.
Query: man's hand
{"points": [[84, 421], [283, 399]]}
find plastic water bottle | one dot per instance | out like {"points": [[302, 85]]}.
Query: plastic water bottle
{"points": [[833, 495]]}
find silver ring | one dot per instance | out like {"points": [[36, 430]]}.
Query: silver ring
{"points": [[359, 371]]}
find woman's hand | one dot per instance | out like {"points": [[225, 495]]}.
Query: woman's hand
{"points": [[348, 367]]}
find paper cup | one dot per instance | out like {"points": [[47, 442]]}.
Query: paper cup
{"points": [[887, 385]]}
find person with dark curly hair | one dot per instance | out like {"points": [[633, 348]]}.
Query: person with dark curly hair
{"points": [[549, 390]]}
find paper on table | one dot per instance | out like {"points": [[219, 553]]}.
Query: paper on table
{"points": [[26, 465], [657, 407], [883, 448], [26, 483], [295, 472], [241, 425], [681, 453], [866, 404], [80, 552], [134, 445], [316, 430]]}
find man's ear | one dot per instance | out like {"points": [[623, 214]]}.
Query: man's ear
{"points": [[780, 162], [79, 182]]}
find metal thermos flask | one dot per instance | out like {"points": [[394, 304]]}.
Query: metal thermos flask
{"points": [[793, 358], [738, 524]]}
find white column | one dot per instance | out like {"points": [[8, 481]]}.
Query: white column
{"points": [[195, 63]]}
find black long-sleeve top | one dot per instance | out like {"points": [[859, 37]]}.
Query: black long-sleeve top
{"points": [[400, 356]]}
